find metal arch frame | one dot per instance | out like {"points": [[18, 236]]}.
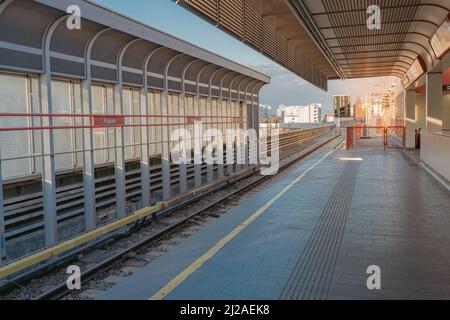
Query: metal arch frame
{"points": [[221, 82], [253, 144], [5, 5], [244, 157], [145, 150], [210, 168], [383, 8], [385, 22], [389, 43], [212, 78], [183, 74], [229, 148], [231, 85], [381, 68], [200, 74], [165, 154], [88, 136], [48, 159], [166, 89], [375, 51], [220, 166], [403, 56], [238, 154], [166, 69], [198, 154], [120, 170], [250, 141], [183, 167], [255, 91]]}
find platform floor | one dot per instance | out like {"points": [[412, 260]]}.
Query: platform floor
{"points": [[335, 214]]}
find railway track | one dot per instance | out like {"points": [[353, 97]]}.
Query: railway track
{"points": [[178, 220]]}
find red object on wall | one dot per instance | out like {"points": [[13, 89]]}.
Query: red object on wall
{"points": [[193, 120], [109, 121], [446, 80], [421, 90]]}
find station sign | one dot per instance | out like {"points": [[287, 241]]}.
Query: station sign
{"points": [[109, 121], [440, 41], [193, 120], [415, 71]]}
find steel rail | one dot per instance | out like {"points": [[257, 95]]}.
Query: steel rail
{"points": [[62, 290]]}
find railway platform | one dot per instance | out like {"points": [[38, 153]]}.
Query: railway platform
{"points": [[313, 233]]}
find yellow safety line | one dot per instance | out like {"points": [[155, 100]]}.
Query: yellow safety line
{"points": [[43, 255], [181, 277]]}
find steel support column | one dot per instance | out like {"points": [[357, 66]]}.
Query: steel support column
{"points": [[221, 166], [88, 139], [229, 148], [166, 88], [198, 135], [255, 117], [146, 137], [165, 156], [210, 168], [252, 139], [183, 166], [48, 148], [2, 217], [120, 167], [238, 132]]}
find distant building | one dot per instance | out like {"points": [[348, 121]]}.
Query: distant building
{"points": [[265, 113], [328, 118], [281, 111], [343, 106], [302, 114]]}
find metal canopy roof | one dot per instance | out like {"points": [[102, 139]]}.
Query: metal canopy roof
{"points": [[105, 17], [330, 38]]}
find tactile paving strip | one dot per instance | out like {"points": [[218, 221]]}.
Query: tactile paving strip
{"points": [[313, 273]]}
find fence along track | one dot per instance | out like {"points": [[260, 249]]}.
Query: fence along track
{"points": [[248, 185], [23, 205], [252, 183]]}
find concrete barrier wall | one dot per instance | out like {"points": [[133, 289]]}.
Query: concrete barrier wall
{"points": [[435, 152]]}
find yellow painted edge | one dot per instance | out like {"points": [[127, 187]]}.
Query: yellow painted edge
{"points": [[181, 277], [43, 255]]}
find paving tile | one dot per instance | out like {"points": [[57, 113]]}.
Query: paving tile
{"points": [[397, 218]]}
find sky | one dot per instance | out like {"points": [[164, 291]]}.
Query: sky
{"points": [[286, 87]]}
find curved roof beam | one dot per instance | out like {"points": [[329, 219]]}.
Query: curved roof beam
{"points": [[146, 63], [121, 55], [384, 23], [183, 74], [211, 78], [101, 15], [166, 69], [46, 41], [5, 5], [88, 51], [200, 74], [252, 83], [232, 84], [384, 8], [387, 43]]}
